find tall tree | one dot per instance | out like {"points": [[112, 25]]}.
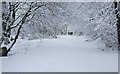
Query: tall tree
{"points": [[117, 12], [14, 15], [17, 14]]}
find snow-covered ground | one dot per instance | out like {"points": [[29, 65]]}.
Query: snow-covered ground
{"points": [[64, 54]]}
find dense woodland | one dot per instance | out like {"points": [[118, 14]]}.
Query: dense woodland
{"points": [[38, 20]]}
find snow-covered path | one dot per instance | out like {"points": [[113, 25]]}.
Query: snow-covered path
{"points": [[66, 54]]}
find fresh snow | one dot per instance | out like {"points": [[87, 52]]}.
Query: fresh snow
{"points": [[63, 54]]}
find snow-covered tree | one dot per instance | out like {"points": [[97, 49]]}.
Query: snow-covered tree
{"points": [[48, 21], [117, 12], [96, 20], [17, 14]]}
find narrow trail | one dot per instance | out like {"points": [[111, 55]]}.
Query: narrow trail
{"points": [[66, 54]]}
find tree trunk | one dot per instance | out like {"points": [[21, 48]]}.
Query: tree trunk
{"points": [[3, 51], [118, 22]]}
